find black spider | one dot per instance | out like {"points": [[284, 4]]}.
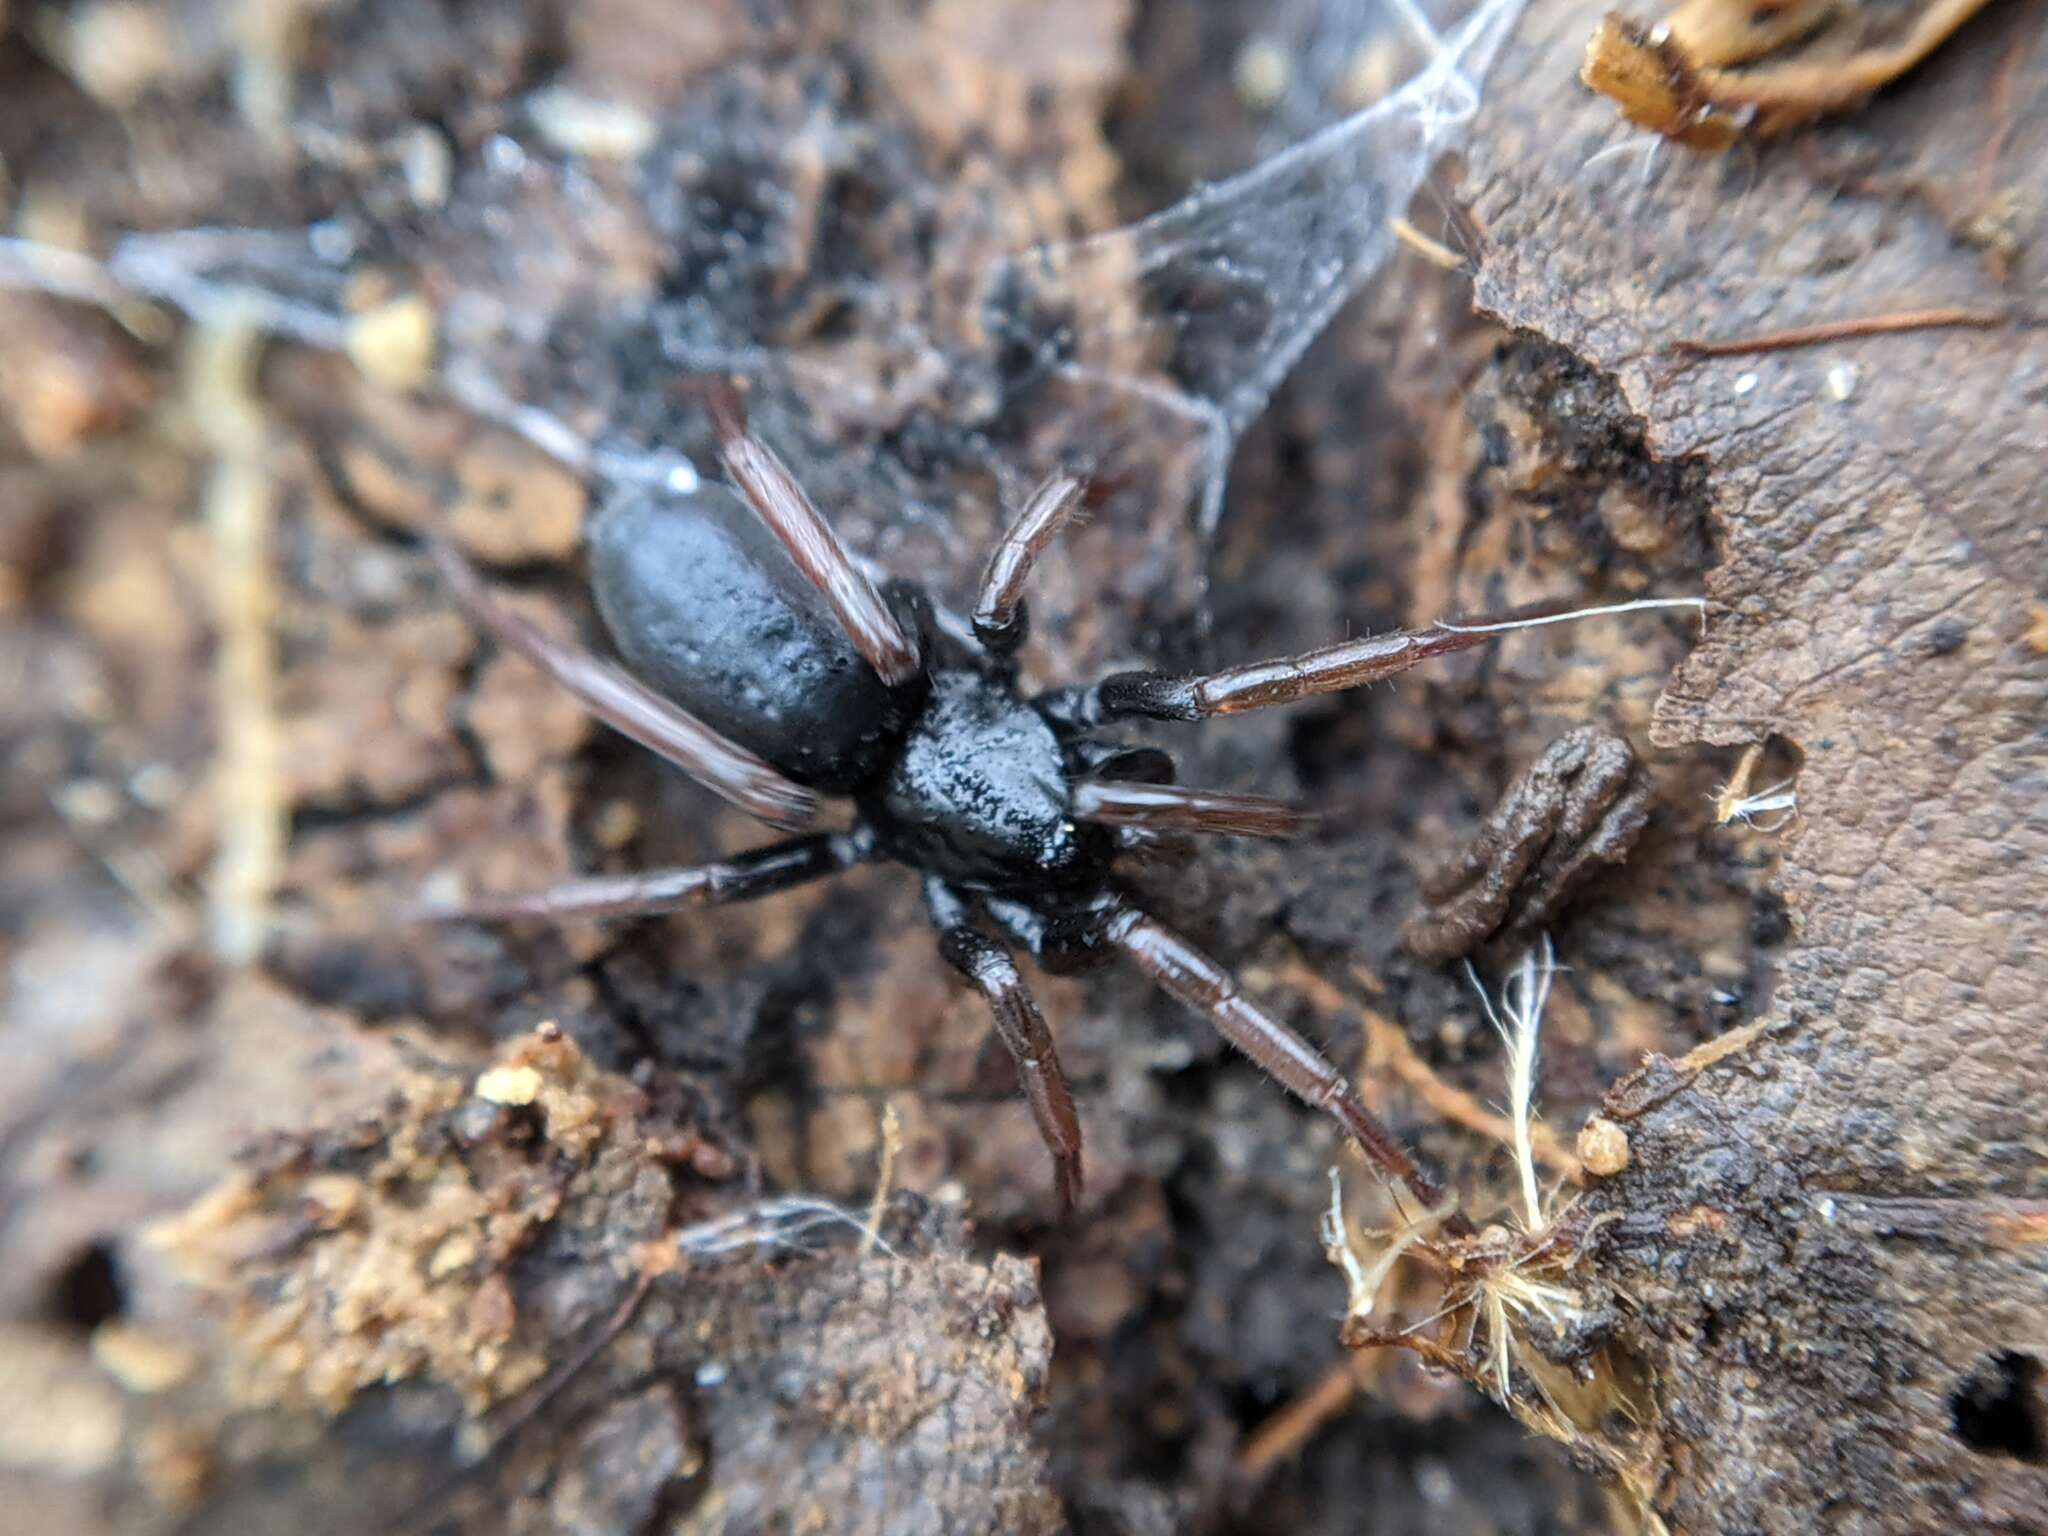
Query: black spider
{"points": [[769, 668]]}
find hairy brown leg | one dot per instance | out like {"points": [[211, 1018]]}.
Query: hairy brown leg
{"points": [[633, 709], [1000, 621], [1329, 669], [1177, 808], [1021, 1028], [781, 503], [1194, 979], [744, 877]]}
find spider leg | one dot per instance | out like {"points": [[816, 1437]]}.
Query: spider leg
{"points": [[1176, 808], [1284, 679], [1000, 620], [1022, 1029], [633, 709], [781, 503], [743, 877], [1115, 760], [1193, 978]]}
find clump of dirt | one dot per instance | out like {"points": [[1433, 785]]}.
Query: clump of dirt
{"points": [[553, 1261], [386, 1249], [1580, 805]]}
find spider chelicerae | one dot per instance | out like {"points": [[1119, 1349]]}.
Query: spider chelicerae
{"points": [[767, 666]]}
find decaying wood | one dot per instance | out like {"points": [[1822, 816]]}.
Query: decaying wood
{"points": [[1882, 544]]}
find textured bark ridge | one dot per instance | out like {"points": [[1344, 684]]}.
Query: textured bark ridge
{"points": [[1834, 1245]]}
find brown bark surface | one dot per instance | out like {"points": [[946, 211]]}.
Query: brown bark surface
{"points": [[1832, 1241]]}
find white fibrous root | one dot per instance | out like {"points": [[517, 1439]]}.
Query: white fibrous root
{"points": [[1341, 1242], [1510, 1294], [1519, 1022], [1515, 1300], [1735, 804], [1510, 1280], [1779, 798]]}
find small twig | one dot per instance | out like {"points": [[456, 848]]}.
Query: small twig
{"points": [[892, 1144], [2000, 114], [524, 1413], [1386, 1045], [240, 502], [1723, 1045], [1430, 250], [425, 1511], [1294, 1423], [1737, 788], [1442, 1356], [1942, 318]]}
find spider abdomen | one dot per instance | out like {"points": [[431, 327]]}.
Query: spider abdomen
{"points": [[705, 606]]}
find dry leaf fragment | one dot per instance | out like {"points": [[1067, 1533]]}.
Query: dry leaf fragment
{"points": [[1675, 78]]}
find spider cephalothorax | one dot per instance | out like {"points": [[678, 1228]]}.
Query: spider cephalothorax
{"points": [[767, 666]]}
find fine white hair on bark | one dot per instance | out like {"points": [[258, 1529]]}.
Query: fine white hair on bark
{"points": [[1697, 604]]}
